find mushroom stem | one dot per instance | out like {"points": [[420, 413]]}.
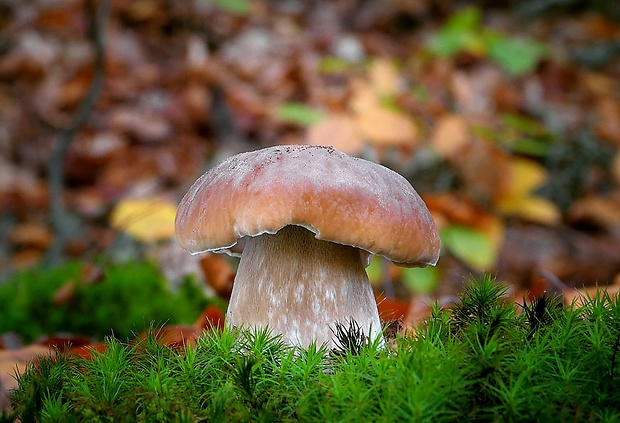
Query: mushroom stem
{"points": [[300, 287]]}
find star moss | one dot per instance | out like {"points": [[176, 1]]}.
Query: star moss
{"points": [[485, 359]]}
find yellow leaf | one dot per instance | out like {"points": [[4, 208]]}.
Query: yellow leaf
{"points": [[147, 220], [519, 199], [540, 210], [527, 175]]}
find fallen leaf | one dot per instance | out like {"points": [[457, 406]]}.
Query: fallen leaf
{"points": [[391, 309], [580, 296], [31, 234], [469, 232], [175, 336], [608, 122], [338, 131], [218, 273], [520, 200], [87, 351], [297, 113], [615, 168], [383, 76], [484, 168], [601, 211], [64, 294], [420, 280], [384, 127], [419, 310], [599, 84], [144, 124], [147, 220], [450, 136], [14, 362], [212, 318], [376, 122], [473, 246]]}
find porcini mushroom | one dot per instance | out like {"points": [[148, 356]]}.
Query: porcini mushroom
{"points": [[305, 220]]}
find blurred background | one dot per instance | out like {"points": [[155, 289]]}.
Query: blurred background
{"points": [[505, 117]]}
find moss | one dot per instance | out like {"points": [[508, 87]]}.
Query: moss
{"points": [[124, 300], [485, 359]]}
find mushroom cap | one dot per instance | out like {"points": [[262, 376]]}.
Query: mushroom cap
{"points": [[340, 198]]}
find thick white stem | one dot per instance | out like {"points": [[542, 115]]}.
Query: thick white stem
{"points": [[300, 287]]}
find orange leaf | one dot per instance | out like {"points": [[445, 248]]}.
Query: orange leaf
{"points": [[211, 318], [218, 274], [391, 309]]}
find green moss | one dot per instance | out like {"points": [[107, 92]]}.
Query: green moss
{"points": [[485, 359], [126, 300]]}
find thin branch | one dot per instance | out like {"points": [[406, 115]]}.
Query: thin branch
{"points": [[96, 16]]}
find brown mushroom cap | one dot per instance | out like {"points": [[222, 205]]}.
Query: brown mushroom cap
{"points": [[340, 198]]}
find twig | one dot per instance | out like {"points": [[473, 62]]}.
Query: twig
{"points": [[55, 165]]}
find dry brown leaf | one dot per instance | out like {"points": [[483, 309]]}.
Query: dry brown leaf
{"points": [[602, 211], [143, 124], [580, 296], [14, 362], [383, 76], [473, 92], [31, 234], [378, 124], [384, 127], [484, 168], [599, 84], [338, 131], [450, 136], [615, 168], [418, 311], [608, 122], [64, 294]]}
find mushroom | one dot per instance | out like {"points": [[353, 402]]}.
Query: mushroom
{"points": [[305, 221]]}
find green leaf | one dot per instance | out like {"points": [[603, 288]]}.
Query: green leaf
{"points": [[523, 124], [420, 280], [471, 245], [466, 20], [460, 32], [375, 270], [333, 64], [236, 7], [517, 55], [299, 114], [530, 146]]}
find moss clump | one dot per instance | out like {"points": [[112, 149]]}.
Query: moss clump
{"points": [[482, 360], [124, 300]]}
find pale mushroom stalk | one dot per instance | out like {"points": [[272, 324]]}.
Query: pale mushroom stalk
{"points": [[300, 287]]}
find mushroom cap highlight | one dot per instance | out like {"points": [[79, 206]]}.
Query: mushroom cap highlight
{"points": [[340, 198]]}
